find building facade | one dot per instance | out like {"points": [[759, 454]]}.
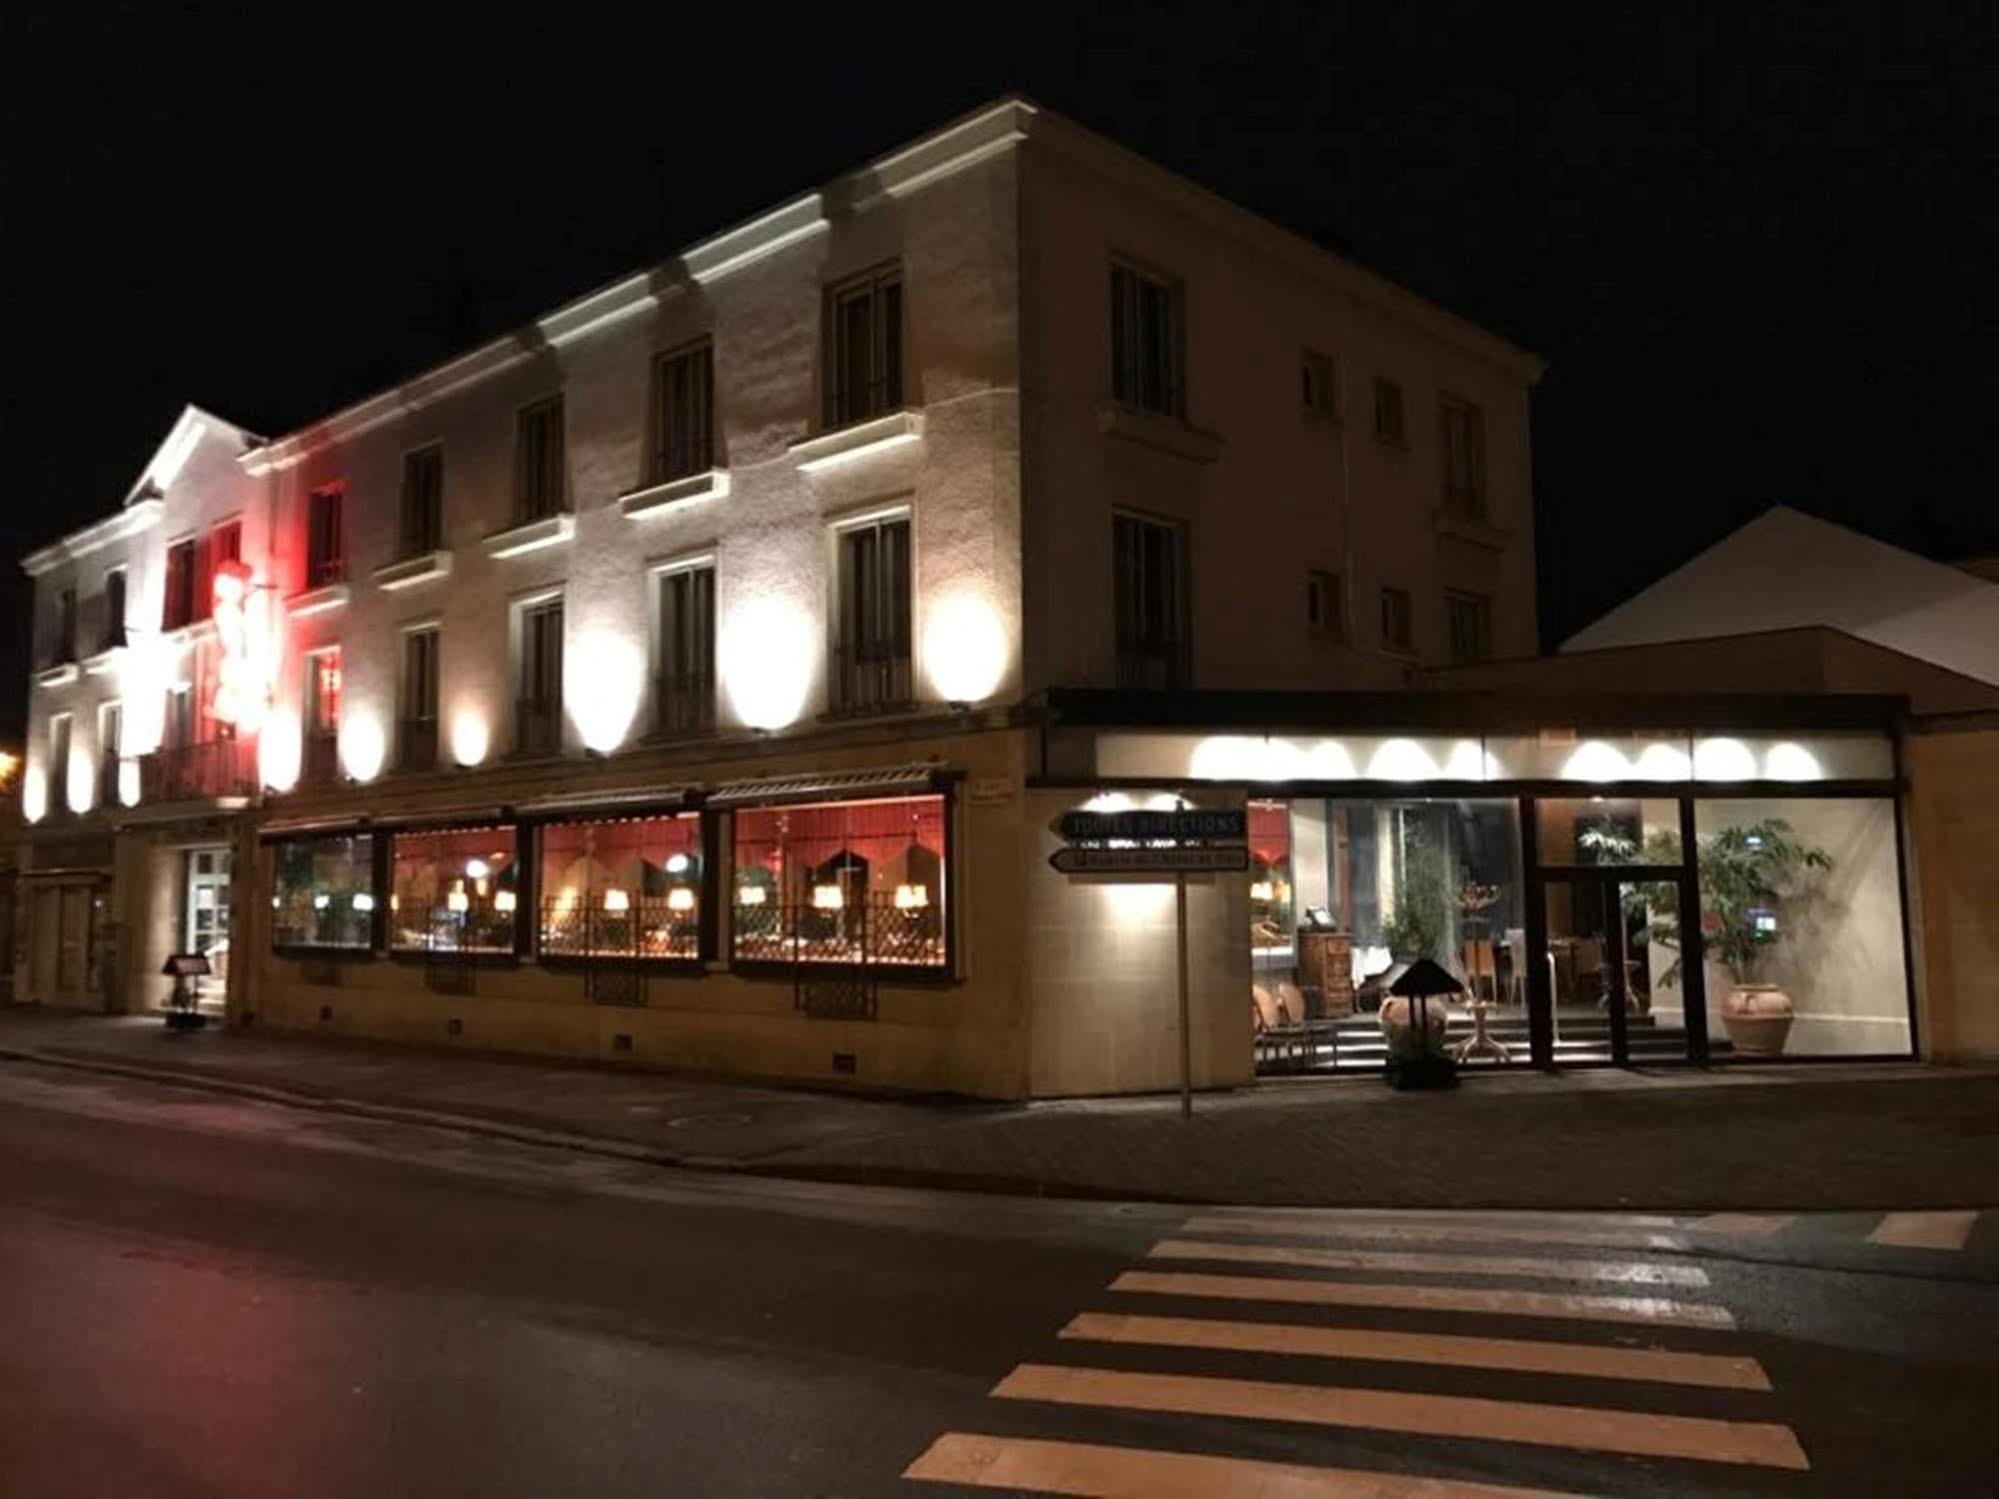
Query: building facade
{"points": [[692, 676]]}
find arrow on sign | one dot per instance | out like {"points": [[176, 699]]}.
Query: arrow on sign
{"points": [[1149, 860]]}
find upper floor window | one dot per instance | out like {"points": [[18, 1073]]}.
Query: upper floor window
{"points": [[63, 647], [1325, 603], [683, 415], [110, 743], [1469, 616], [1149, 596], [114, 610], [1388, 426], [1398, 620], [871, 654], [685, 699], [59, 733], [178, 596], [325, 554], [1464, 458], [323, 687], [1145, 342], [416, 722], [422, 528], [224, 544], [864, 347], [538, 712], [1319, 385], [540, 462]]}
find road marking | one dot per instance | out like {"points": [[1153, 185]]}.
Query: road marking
{"points": [[1509, 1233], [1638, 1433], [1924, 1230], [1745, 1225], [1622, 1272], [1520, 1355], [1028, 1466], [1657, 1310]]}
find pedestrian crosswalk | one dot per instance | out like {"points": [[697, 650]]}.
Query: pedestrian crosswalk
{"points": [[1388, 1347]]}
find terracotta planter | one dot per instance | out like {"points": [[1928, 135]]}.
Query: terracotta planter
{"points": [[1757, 1018]]}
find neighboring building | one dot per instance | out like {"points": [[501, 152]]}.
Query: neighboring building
{"points": [[693, 676]]}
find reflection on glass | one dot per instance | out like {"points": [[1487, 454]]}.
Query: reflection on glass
{"points": [[1607, 830], [625, 886], [456, 890], [323, 892]]}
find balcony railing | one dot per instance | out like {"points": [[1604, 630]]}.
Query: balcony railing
{"points": [[319, 758], [416, 744], [193, 772], [684, 704], [1151, 665], [537, 727], [870, 678], [321, 572]]}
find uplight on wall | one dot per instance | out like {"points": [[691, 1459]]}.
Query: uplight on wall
{"points": [[768, 655], [1724, 760], [965, 648], [362, 745], [128, 782], [278, 751], [604, 687], [34, 793], [470, 738], [81, 782]]}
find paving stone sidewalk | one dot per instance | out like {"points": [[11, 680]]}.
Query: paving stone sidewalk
{"points": [[1796, 1138]]}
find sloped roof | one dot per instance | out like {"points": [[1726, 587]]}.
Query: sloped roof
{"points": [[1786, 570], [180, 441]]}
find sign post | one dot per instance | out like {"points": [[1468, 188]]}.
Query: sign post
{"points": [[1136, 844]]}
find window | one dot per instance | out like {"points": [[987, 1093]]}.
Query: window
{"points": [[1469, 616], [538, 713], [540, 464], [683, 386], [1398, 620], [416, 721], [64, 647], [871, 653], [1325, 604], [842, 882], [1145, 342], [325, 560], [323, 892], [864, 347], [627, 886], [456, 890], [684, 700], [320, 758], [1464, 458], [114, 610], [422, 528], [59, 735], [178, 610], [1388, 412], [224, 544], [1149, 598], [110, 741], [1319, 387]]}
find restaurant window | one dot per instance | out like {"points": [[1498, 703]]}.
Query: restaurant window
{"points": [[456, 890], [416, 723], [1469, 616], [538, 711], [114, 610], [684, 699], [627, 886], [1464, 458], [1388, 412], [1145, 342], [1398, 621], [539, 462], [683, 386], [871, 652], [323, 892], [422, 528], [842, 882], [325, 554], [1325, 603], [178, 599], [1149, 600], [864, 347], [1319, 384]]}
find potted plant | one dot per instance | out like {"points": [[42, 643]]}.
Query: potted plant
{"points": [[1747, 874], [1414, 933]]}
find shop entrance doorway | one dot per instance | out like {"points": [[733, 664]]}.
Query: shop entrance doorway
{"points": [[206, 927], [1611, 960]]}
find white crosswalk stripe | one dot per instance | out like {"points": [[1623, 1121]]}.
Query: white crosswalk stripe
{"points": [[1924, 1230], [1362, 1294]]}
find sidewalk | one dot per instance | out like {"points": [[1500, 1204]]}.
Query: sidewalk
{"points": [[1796, 1138]]}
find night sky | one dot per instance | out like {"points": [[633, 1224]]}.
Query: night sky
{"points": [[1758, 249]]}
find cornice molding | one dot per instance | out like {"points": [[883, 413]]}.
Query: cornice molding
{"points": [[141, 515]]}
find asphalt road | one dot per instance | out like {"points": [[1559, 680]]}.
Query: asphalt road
{"points": [[216, 1298]]}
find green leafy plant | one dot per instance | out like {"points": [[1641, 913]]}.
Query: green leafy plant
{"points": [[1422, 904]]}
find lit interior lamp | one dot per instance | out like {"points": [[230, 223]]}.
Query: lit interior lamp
{"points": [[395, 902], [503, 902], [458, 901], [750, 895], [363, 901], [1262, 890], [677, 864], [321, 901], [828, 897], [616, 900], [680, 898], [911, 897], [477, 869]]}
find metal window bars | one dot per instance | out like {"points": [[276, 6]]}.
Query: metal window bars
{"points": [[871, 931], [210, 768]]}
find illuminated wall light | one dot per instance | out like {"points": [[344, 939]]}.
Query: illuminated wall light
{"points": [[363, 746], [1791, 762], [1329, 760], [1724, 760], [769, 652], [1663, 762], [81, 781], [680, 899], [278, 750], [128, 782], [470, 737], [1466, 761], [1227, 757], [1401, 760], [603, 687], [1109, 801], [34, 794], [965, 649], [1594, 760]]}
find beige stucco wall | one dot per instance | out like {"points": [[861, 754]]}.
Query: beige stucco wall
{"points": [[1954, 839]]}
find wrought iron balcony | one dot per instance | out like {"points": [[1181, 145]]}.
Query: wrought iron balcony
{"points": [[870, 678], [684, 704], [199, 772], [537, 726], [416, 744]]}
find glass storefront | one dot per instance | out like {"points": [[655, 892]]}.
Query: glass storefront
{"points": [[841, 882], [455, 890], [323, 893], [627, 886]]}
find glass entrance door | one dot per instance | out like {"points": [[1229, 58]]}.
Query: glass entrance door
{"points": [[1612, 959], [207, 929]]}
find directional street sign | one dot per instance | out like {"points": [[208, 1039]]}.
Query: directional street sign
{"points": [[1149, 860], [1179, 826]]}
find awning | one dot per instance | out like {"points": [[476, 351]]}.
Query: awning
{"points": [[887, 781], [659, 798]]}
